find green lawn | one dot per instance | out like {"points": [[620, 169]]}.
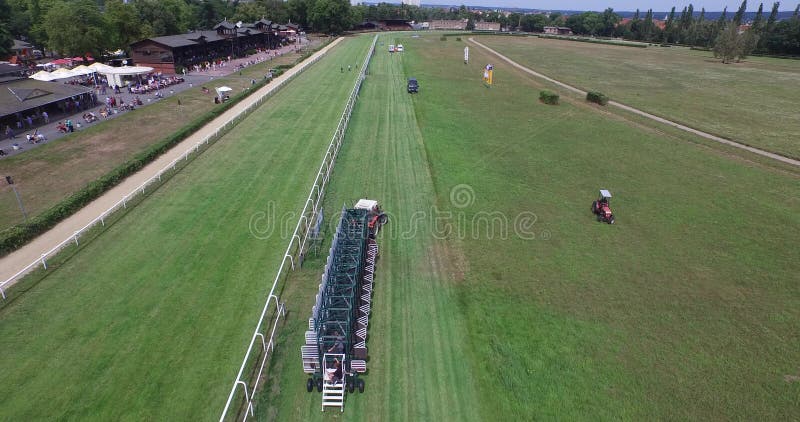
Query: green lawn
{"points": [[151, 320], [49, 173], [687, 308], [754, 102]]}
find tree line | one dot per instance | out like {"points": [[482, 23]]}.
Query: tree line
{"points": [[75, 27], [728, 36]]}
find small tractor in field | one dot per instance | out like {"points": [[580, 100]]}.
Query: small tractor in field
{"points": [[601, 208], [376, 217]]}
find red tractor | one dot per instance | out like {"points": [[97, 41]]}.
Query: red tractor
{"points": [[377, 217], [601, 208]]}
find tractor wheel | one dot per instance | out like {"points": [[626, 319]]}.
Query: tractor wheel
{"points": [[611, 220], [351, 386], [319, 385], [310, 385], [599, 217], [594, 207], [360, 386], [383, 219]]}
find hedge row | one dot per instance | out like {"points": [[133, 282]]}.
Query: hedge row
{"points": [[16, 236], [596, 41], [597, 97], [548, 97]]}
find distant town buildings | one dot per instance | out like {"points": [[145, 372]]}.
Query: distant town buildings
{"points": [[487, 26], [411, 2], [557, 30]]}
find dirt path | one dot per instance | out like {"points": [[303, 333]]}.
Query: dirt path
{"points": [[19, 259], [647, 115]]}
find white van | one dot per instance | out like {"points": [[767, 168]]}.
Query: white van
{"points": [[399, 48], [391, 48]]}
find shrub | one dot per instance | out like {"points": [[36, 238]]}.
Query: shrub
{"points": [[458, 38], [548, 97], [597, 97], [442, 38]]}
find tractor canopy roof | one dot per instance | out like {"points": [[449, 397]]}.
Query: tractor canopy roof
{"points": [[367, 204], [605, 194]]}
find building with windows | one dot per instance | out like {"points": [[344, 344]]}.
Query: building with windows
{"points": [[172, 53]]}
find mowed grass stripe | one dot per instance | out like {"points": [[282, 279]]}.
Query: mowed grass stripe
{"points": [[752, 102], [151, 320], [416, 340], [685, 309]]}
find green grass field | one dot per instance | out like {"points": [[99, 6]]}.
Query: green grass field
{"points": [[753, 102], [151, 320], [687, 308], [497, 296], [49, 173]]}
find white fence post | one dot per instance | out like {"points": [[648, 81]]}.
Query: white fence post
{"points": [[325, 167]]}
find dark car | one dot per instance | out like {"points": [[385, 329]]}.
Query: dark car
{"points": [[413, 85]]}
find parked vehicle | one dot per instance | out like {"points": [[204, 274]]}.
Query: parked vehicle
{"points": [[601, 208], [413, 85]]}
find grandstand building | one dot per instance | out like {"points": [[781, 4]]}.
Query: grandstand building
{"points": [[168, 54]]}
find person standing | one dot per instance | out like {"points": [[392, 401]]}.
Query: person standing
{"points": [[46, 117], [9, 132]]}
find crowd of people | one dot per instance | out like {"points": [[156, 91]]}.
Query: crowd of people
{"points": [[153, 83]]}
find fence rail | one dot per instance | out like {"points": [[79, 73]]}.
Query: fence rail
{"points": [[296, 247], [141, 189]]}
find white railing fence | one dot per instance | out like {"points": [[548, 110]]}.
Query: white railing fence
{"points": [[166, 171], [296, 247]]}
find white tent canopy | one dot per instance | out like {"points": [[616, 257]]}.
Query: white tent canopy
{"points": [[115, 74], [42, 76], [126, 70], [99, 67], [222, 89], [62, 74], [82, 70]]}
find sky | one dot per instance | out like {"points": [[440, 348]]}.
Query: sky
{"points": [[622, 5]]}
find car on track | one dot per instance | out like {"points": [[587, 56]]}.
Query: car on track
{"points": [[413, 85]]}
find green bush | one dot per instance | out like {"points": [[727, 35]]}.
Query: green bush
{"points": [[548, 97], [597, 97], [458, 38], [443, 38]]}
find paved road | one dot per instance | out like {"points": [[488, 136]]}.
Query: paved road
{"points": [[191, 79], [19, 259], [700, 133]]}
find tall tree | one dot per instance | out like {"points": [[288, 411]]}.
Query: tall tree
{"points": [[647, 26], [298, 11], [728, 44], [6, 41], [796, 13], [723, 18], [737, 18], [669, 27], [329, 16], [122, 21], [773, 17], [75, 28], [757, 28], [758, 21], [165, 17]]}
